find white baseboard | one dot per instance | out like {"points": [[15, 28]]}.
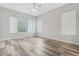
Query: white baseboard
{"points": [[62, 40], [9, 38]]}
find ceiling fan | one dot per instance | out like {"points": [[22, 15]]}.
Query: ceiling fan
{"points": [[36, 7]]}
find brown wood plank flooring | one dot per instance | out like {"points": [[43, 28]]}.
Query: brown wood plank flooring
{"points": [[35, 46]]}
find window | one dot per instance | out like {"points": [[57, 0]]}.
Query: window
{"points": [[68, 23], [13, 24], [39, 25], [20, 25]]}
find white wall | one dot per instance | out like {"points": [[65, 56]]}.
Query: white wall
{"points": [[5, 24], [51, 24]]}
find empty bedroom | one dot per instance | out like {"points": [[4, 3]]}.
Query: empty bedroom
{"points": [[39, 29]]}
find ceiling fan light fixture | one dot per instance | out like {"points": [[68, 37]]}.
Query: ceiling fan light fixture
{"points": [[34, 10]]}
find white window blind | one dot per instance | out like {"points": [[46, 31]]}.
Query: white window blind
{"points": [[68, 23], [30, 25], [13, 24], [39, 25]]}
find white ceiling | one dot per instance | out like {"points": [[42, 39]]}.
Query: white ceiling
{"points": [[26, 7]]}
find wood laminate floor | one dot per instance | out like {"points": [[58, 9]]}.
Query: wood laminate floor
{"points": [[34, 46]]}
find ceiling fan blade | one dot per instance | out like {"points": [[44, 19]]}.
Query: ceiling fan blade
{"points": [[38, 9]]}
